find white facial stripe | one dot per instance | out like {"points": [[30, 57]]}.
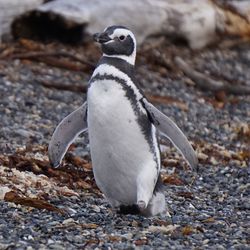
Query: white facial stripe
{"points": [[123, 32], [108, 69], [119, 32]]}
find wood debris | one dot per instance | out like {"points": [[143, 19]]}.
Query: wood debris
{"points": [[12, 196], [187, 230], [217, 155], [29, 179], [70, 87], [167, 100], [207, 83], [172, 180]]}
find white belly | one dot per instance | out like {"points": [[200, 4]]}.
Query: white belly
{"points": [[119, 150]]}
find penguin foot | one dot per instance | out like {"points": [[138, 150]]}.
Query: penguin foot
{"points": [[156, 206], [141, 204], [129, 209]]}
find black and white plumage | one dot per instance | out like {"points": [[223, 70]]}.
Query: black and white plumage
{"points": [[122, 130]]}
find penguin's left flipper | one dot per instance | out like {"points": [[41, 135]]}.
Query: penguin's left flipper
{"points": [[65, 133], [172, 132]]}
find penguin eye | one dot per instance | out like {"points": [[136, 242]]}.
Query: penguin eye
{"points": [[121, 38]]}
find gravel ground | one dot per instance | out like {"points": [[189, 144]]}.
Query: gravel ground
{"points": [[210, 211]]}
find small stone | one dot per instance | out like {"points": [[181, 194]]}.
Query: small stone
{"points": [[226, 153], [70, 210], [30, 237], [134, 223], [3, 191], [24, 133], [78, 239], [68, 221], [96, 208], [53, 223], [57, 246], [236, 162], [128, 236], [202, 156], [50, 241], [164, 229], [213, 161], [204, 242]]}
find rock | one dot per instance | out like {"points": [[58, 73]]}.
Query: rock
{"points": [[213, 161], [68, 221], [163, 229], [24, 133], [50, 241], [96, 209], [3, 191], [57, 246], [202, 156]]}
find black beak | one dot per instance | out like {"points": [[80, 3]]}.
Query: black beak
{"points": [[101, 37]]}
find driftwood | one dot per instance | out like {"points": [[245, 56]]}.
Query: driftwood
{"points": [[51, 58], [14, 197], [71, 20], [206, 83], [67, 19]]}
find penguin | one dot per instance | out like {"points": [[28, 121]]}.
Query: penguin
{"points": [[123, 130]]}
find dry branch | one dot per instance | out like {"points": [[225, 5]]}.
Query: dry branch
{"points": [[38, 54], [205, 82], [31, 202], [73, 88], [167, 100], [61, 63], [51, 58]]}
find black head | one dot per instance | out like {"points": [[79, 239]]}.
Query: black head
{"points": [[117, 41]]}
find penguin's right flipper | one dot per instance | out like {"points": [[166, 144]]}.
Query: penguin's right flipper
{"points": [[65, 133], [172, 132]]}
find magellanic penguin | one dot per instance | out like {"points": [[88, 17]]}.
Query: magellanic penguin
{"points": [[122, 128]]}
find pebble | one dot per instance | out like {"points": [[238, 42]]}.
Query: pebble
{"points": [[50, 242], [57, 246], [68, 221], [218, 213], [24, 133]]}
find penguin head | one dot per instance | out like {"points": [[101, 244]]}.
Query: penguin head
{"points": [[117, 41]]}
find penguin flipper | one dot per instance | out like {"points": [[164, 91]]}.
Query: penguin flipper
{"points": [[65, 133], [172, 132]]}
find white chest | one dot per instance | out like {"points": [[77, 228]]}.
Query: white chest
{"points": [[119, 149]]}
